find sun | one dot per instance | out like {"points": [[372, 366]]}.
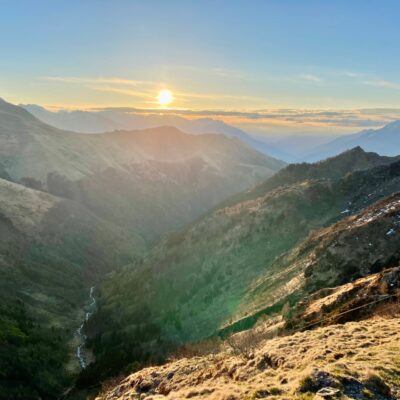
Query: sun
{"points": [[165, 97]]}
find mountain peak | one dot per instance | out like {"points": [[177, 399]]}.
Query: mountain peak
{"points": [[13, 110], [356, 150], [391, 126], [384, 141]]}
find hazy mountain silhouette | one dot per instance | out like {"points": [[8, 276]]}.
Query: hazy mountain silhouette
{"points": [[384, 141]]}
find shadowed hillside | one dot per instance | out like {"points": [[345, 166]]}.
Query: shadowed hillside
{"points": [[51, 249], [149, 181]]}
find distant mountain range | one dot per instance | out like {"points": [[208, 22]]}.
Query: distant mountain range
{"points": [[384, 141], [290, 148], [150, 180], [123, 119]]}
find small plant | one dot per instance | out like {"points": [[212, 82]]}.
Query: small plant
{"points": [[244, 344], [275, 391], [367, 393], [306, 396], [307, 384], [376, 384]]}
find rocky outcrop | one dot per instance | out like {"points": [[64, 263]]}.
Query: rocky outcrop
{"points": [[375, 294]]}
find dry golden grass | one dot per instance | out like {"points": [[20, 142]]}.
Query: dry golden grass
{"points": [[279, 368]]}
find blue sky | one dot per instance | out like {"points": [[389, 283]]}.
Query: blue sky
{"points": [[213, 55]]}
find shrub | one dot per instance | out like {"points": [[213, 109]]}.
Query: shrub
{"points": [[376, 384], [306, 385]]}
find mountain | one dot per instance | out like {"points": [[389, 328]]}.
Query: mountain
{"points": [[294, 148], [370, 296], [352, 160], [97, 121], [76, 207], [385, 141], [32, 148], [51, 249], [355, 247], [151, 181], [204, 278], [331, 276]]}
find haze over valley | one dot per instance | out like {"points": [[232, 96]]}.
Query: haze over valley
{"points": [[194, 205]]}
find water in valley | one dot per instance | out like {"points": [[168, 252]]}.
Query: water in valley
{"points": [[89, 309]]}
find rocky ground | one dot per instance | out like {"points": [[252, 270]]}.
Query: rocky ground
{"points": [[357, 360]]}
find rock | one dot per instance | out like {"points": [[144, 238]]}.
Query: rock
{"points": [[323, 380], [144, 386], [261, 394], [327, 393]]}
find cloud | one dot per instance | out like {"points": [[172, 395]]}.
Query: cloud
{"points": [[215, 71], [357, 118], [310, 78], [79, 80], [143, 89], [123, 91], [352, 74], [383, 84]]}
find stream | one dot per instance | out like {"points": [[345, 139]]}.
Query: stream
{"points": [[89, 309]]}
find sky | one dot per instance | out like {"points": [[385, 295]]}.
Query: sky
{"points": [[330, 66]]}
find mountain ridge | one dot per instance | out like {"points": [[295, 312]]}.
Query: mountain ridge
{"points": [[193, 172], [97, 121], [385, 141]]}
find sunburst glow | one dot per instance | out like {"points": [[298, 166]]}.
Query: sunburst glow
{"points": [[165, 97]]}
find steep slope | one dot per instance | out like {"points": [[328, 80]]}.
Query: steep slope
{"points": [[366, 297], [352, 248], [351, 361], [51, 250], [215, 274], [385, 141], [355, 159], [154, 196], [150, 181]]}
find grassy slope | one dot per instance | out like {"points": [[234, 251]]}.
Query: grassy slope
{"points": [[359, 359]]}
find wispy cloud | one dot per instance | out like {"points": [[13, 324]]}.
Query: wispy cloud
{"points": [[120, 90], [79, 80], [382, 83], [143, 89], [145, 92], [139, 89], [310, 78], [357, 118], [214, 71], [352, 74]]}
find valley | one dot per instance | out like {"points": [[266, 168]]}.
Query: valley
{"points": [[123, 250], [199, 200]]}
